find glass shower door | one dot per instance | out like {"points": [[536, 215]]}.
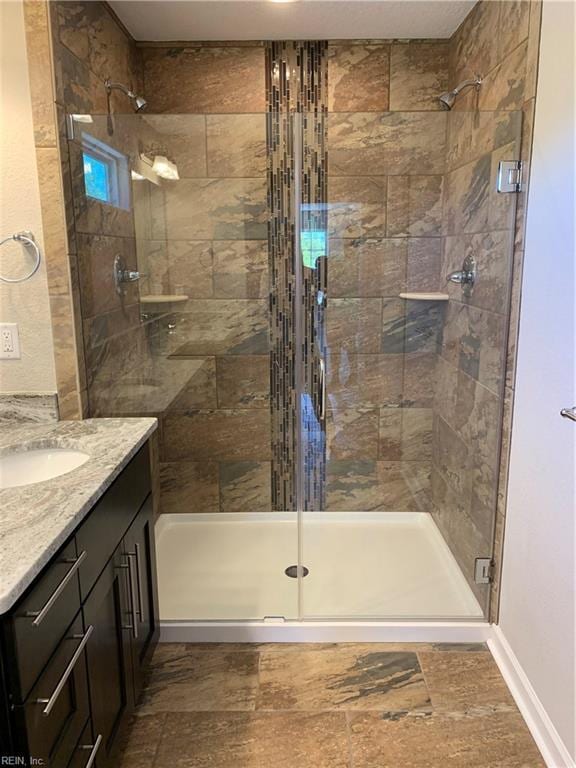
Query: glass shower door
{"points": [[410, 367], [170, 219]]}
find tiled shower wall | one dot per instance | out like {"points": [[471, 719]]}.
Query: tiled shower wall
{"points": [[386, 155], [384, 227], [498, 40]]}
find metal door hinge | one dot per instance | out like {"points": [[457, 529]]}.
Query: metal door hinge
{"points": [[483, 570], [509, 177]]}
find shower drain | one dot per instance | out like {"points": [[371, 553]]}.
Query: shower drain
{"points": [[293, 571]]}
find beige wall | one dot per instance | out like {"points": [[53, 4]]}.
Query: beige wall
{"points": [[25, 303]]}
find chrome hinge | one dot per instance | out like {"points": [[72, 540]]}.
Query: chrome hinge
{"points": [[483, 570], [509, 177]]}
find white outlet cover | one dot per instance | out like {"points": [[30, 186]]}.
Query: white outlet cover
{"points": [[9, 341]]}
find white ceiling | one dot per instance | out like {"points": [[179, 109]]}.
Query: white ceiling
{"points": [[180, 20]]}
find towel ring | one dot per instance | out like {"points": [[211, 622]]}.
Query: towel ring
{"points": [[28, 239]]}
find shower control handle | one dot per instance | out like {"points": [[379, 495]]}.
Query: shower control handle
{"points": [[123, 275], [466, 276]]}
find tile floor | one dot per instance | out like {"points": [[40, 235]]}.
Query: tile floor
{"points": [[327, 706]]}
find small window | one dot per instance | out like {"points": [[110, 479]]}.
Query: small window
{"points": [[106, 173], [313, 247]]}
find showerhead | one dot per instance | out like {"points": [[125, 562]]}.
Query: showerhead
{"points": [[447, 99], [138, 102]]}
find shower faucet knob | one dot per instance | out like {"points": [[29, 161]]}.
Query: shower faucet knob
{"points": [[466, 276]]}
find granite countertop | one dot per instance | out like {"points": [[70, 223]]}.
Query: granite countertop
{"points": [[35, 520]]}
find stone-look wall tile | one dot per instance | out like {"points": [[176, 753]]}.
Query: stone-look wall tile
{"points": [[472, 134], [414, 206], [528, 112], [243, 381], [367, 267], [91, 33], [418, 74], [492, 253], [416, 435], [53, 223], [513, 25], [204, 79], [78, 89], [200, 388], [410, 326], [451, 456], [357, 206], [233, 326], [514, 319], [245, 486], [358, 77], [367, 144], [473, 341], [100, 328], [423, 264], [224, 209], [65, 357], [419, 372], [182, 138], [503, 88], [236, 145], [241, 269], [226, 435], [473, 47], [189, 486], [533, 49], [369, 485], [154, 267], [354, 325], [190, 268], [40, 72], [354, 380], [96, 255], [390, 434], [352, 433], [466, 197]]}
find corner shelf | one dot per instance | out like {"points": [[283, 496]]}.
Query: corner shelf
{"points": [[425, 296], [163, 298]]}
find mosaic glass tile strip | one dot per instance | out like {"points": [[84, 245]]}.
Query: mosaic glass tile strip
{"points": [[297, 105]]}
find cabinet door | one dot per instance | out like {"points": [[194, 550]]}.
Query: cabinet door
{"points": [[107, 609], [140, 552]]}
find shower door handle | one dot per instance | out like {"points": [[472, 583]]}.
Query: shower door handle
{"points": [[322, 389]]}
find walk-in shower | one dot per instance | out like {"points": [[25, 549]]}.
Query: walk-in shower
{"points": [[327, 399]]}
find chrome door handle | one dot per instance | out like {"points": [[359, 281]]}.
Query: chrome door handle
{"points": [[67, 672], [322, 389], [40, 615], [569, 413], [94, 747]]}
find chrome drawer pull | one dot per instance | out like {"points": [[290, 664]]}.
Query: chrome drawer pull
{"points": [[39, 616], [67, 672], [94, 747], [139, 575], [132, 597]]}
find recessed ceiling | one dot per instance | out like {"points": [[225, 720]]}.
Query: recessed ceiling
{"points": [[180, 20]]}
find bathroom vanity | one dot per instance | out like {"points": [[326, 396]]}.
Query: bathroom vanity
{"points": [[76, 640]]}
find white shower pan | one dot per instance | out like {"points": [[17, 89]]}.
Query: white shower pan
{"points": [[220, 571]]}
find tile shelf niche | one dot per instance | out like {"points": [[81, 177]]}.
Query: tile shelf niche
{"points": [[425, 296]]}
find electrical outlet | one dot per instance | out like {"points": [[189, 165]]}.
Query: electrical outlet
{"points": [[9, 341]]}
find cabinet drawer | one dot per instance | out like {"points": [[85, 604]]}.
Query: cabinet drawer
{"points": [[100, 533], [87, 749], [41, 618], [57, 708]]}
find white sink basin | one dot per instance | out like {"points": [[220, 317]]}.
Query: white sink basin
{"points": [[28, 467]]}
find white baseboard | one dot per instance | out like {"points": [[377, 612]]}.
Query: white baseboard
{"points": [[544, 733], [324, 632]]}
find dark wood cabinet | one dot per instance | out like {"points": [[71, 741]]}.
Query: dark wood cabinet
{"points": [[140, 553], [86, 658]]}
